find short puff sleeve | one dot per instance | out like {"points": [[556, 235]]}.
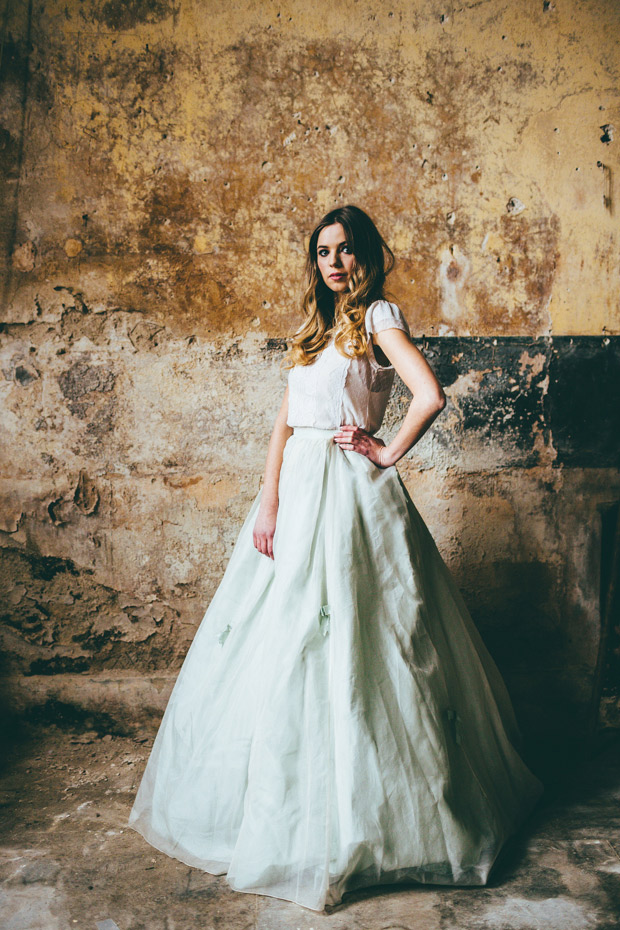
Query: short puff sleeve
{"points": [[384, 315]]}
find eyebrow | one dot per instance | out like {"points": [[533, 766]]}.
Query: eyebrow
{"points": [[324, 246]]}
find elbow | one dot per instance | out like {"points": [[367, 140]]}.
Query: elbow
{"points": [[436, 402], [430, 402]]}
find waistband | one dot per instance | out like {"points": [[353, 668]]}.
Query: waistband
{"points": [[307, 431]]}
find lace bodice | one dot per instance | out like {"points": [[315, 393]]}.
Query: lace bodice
{"points": [[334, 389]]}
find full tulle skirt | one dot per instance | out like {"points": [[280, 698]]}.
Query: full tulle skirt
{"points": [[337, 721]]}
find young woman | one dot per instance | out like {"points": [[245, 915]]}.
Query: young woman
{"points": [[337, 721]]}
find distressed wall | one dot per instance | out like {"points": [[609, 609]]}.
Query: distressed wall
{"points": [[163, 165]]}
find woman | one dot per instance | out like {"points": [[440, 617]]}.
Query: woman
{"points": [[337, 721]]}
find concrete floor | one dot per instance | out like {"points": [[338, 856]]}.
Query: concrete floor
{"points": [[69, 861]]}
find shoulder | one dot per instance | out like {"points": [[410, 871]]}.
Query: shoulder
{"points": [[382, 314]]}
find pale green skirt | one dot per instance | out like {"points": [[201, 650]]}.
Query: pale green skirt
{"points": [[337, 721]]}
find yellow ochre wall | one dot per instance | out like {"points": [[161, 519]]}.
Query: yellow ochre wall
{"points": [[182, 150]]}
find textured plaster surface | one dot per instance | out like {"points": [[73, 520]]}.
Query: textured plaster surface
{"points": [[163, 163], [170, 158]]}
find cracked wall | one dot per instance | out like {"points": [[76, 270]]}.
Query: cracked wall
{"points": [[163, 165]]}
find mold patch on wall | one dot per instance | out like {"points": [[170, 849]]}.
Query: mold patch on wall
{"points": [[549, 401]]}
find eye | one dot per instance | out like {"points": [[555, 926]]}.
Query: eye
{"points": [[323, 252], [347, 249]]}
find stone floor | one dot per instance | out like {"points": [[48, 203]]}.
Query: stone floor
{"points": [[68, 859]]}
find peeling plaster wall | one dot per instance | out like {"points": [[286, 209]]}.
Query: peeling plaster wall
{"points": [[164, 163]]}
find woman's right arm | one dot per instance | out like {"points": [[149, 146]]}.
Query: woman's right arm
{"points": [[265, 525]]}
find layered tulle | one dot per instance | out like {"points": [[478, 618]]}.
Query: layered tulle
{"points": [[337, 721]]}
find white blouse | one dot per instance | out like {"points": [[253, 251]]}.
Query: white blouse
{"points": [[335, 390]]}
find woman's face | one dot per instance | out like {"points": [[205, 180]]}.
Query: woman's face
{"points": [[334, 257]]}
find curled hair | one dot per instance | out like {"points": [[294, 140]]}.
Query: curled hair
{"points": [[345, 321]]}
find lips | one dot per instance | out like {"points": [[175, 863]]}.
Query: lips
{"points": [[337, 277]]}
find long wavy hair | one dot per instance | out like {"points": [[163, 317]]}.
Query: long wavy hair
{"points": [[344, 320]]}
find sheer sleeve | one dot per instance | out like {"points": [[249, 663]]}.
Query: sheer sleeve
{"points": [[383, 315]]}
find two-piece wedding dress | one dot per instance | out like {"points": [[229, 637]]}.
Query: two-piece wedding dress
{"points": [[337, 721]]}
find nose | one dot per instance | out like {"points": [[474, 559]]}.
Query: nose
{"points": [[336, 261]]}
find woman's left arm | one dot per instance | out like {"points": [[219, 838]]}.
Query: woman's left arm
{"points": [[427, 402]]}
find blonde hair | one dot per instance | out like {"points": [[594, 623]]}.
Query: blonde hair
{"points": [[373, 262]]}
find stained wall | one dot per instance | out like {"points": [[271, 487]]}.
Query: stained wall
{"points": [[164, 163]]}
